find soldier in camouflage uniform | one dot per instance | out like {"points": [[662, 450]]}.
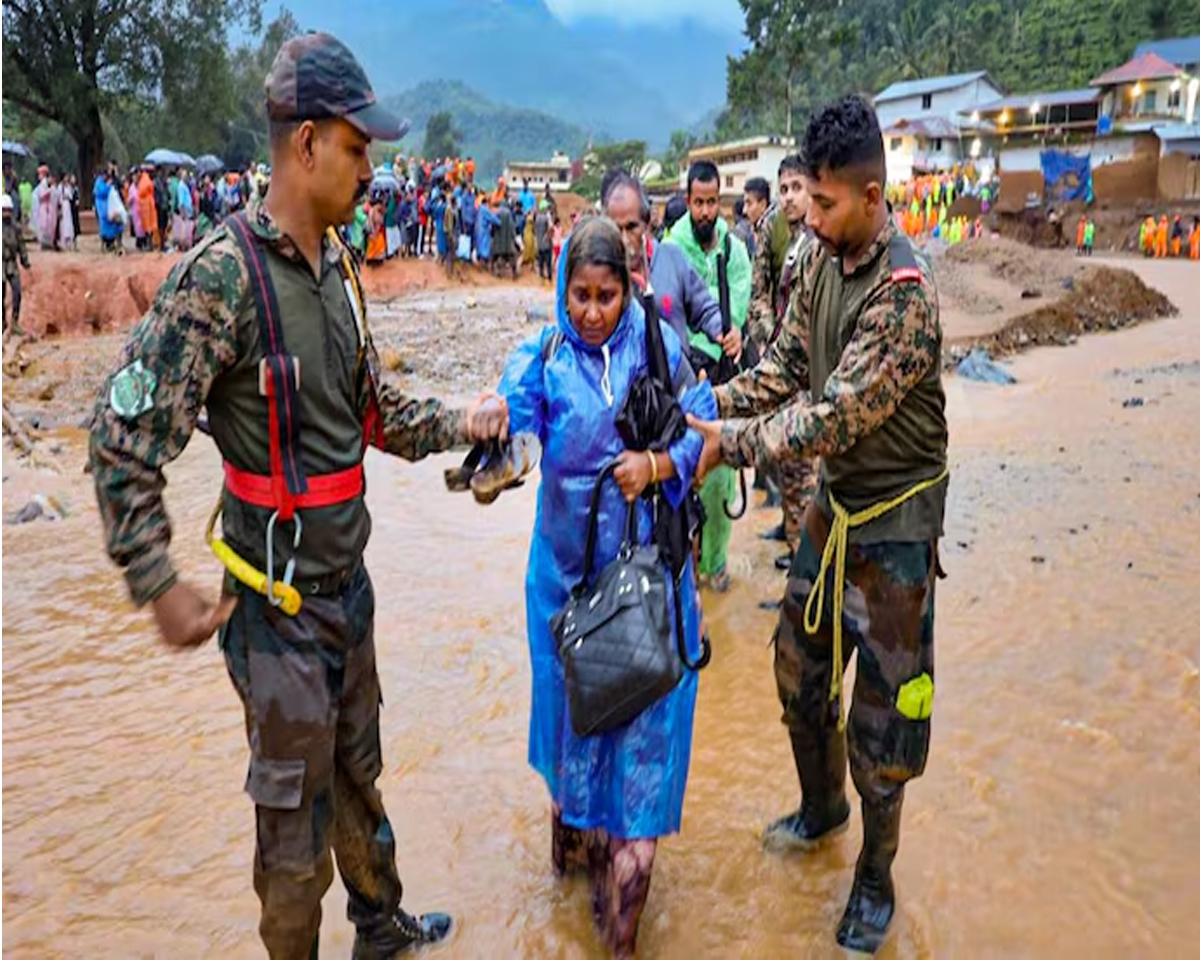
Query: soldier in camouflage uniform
{"points": [[307, 681], [855, 377], [14, 253], [797, 476]]}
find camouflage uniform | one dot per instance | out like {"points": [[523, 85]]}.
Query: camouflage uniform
{"points": [[308, 683], [14, 253], [855, 376], [773, 279]]}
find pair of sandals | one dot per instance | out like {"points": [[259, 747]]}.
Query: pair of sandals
{"points": [[493, 467]]}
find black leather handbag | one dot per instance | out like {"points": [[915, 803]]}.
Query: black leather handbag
{"points": [[614, 636]]}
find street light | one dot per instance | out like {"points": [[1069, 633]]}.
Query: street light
{"points": [[1176, 84], [1035, 108]]}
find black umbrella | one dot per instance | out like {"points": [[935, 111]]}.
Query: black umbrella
{"points": [[208, 164]]}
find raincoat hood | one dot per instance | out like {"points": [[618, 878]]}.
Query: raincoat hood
{"points": [[630, 317]]}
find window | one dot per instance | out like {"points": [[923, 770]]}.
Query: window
{"points": [[1149, 101], [926, 101], [896, 143], [937, 145], [1173, 99], [729, 182]]}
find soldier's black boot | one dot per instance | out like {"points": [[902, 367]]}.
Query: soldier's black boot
{"points": [[824, 811], [873, 898], [388, 937]]}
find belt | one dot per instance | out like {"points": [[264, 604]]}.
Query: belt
{"points": [[323, 491], [834, 556]]}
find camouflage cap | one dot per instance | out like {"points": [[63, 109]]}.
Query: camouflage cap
{"points": [[316, 77]]}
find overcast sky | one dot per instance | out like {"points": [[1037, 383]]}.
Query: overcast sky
{"points": [[726, 14]]}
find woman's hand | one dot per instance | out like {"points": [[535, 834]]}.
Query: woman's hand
{"points": [[633, 473], [487, 417]]}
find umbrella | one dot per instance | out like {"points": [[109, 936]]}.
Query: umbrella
{"points": [[385, 180], [163, 158], [209, 164], [185, 160], [11, 146]]}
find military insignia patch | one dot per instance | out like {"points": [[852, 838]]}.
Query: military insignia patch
{"points": [[132, 391]]}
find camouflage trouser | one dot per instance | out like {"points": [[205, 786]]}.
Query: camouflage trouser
{"points": [[12, 280], [311, 695], [888, 619], [797, 485]]}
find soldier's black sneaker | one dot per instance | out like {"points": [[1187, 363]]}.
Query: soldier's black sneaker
{"points": [[808, 827], [400, 932], [784, 562]]}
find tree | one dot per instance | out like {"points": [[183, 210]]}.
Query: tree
{"points": [[441, 138], [70, 60], [627, 155], [786, 38], [681, 142]]}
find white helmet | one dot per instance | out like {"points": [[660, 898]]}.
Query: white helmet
{"points": [[6, 202]]}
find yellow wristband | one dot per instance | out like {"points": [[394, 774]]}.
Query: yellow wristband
{"points": [[653, 466]]}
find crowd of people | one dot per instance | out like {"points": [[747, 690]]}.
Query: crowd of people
{"points": [[1162, 239], [436, 209]]}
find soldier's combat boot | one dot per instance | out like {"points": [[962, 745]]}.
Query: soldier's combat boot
{"points": [[873, 898], [391, 936], [824, 811]]}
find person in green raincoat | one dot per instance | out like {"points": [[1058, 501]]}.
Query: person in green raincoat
{"points": [[703, 234], [357, 232]]}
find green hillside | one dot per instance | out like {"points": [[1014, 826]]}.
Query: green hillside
{"points": [[492, 133], [1026, 45]]}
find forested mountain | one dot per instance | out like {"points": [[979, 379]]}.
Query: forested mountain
{"points": [[863, 45], [492, 133]]}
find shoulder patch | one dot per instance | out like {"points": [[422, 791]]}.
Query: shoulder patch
{"points": [[907, 275], [903, 259], [132, 391]]}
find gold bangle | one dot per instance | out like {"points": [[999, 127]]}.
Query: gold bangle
{"points": [[653, 466]]}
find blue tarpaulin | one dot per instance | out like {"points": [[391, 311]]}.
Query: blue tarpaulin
{"points": [[978, 365], [1066, 175]]}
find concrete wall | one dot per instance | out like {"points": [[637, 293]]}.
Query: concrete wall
{"points": [[1178, 178], [1016, 186], [1127, 182]]}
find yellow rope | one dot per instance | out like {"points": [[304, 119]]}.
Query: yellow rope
{"points": [[835, 557], [288, 596]]}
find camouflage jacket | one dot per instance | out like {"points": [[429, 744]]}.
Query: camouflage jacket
{"points": [[199, 337], [14, 248], [855, 377], [771, 241]]}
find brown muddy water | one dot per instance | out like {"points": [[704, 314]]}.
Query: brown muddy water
{"points": [[1058, 816]]}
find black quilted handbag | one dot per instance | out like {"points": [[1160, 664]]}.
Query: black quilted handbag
{"points": [[614, 636]]}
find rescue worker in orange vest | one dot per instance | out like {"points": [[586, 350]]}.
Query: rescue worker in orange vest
{"points": [[1079, 231], [1194, 240], [1160, 237]]}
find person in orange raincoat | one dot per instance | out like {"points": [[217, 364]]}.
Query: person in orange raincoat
{"points": [[1194, 240], [1079, 232], [148, 209], [1160, 237]]}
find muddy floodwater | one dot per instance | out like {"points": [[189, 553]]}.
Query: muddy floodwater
{"points": [[1059, 815]]}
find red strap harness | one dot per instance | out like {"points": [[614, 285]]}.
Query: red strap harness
{"points": [[288, 487]]}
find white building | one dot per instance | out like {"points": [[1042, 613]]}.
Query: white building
{"points": [[556, 172], [741, 160], [922, 120]]}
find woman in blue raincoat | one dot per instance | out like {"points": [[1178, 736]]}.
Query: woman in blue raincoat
{"points": [[613, 794]]}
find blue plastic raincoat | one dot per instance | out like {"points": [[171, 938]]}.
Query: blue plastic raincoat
{"points": [[630, 781]]}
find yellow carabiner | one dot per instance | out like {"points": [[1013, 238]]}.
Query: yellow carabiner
{"points": [[287, 597]]}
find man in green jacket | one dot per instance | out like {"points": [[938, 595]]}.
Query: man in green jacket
{"points": [[706, 240]]}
